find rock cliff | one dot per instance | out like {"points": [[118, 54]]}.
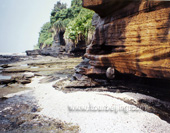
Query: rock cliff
{"points": [[131, 37]]}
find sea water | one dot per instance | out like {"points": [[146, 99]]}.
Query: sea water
{"points": [[4, 77]]}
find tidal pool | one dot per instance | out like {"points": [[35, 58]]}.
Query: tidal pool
{"points": [[4, 77], [34, 67], [24, 65]]}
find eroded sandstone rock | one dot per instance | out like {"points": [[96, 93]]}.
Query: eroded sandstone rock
{"points": [[105, 7], [132, 37]]}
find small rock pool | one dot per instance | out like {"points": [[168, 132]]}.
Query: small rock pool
{"points": [[4, 77]]}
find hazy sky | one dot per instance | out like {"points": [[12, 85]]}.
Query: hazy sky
{"points": [[20, 23]]}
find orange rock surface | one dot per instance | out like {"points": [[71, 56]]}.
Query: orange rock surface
{"points": [[133, 39]]}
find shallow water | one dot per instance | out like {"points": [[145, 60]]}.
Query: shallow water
{"points": [[33, 67], [24, 65], [4, 77]]}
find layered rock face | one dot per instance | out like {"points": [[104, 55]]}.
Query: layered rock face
{"points": [[131, 37]]}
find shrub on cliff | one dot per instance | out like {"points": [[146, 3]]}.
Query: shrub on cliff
{"points": [[49, 41], [76, 3], [44, 34], [80, 26]]}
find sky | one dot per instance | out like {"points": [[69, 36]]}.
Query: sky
{"points": [[21, 21]]}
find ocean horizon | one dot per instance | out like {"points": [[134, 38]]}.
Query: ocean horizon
{"points": [[13, 53]]}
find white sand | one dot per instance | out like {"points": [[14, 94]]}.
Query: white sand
{"points": [[55, 104]]}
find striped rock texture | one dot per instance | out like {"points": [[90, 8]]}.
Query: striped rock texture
{"points": [[133, 37]]}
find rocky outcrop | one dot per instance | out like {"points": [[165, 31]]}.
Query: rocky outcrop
{"points": [[33, 52], [105, 7], [131, 37], [62, 46], [44, 52]]}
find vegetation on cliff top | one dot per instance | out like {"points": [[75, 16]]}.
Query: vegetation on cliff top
{"points": [[73, 21], [81, 25], [45, 34]]}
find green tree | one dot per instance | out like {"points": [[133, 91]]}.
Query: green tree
{"points": [[76, 3], [57, 7], [62, 14], [74, 21], [44, 33], [81, 25]]}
